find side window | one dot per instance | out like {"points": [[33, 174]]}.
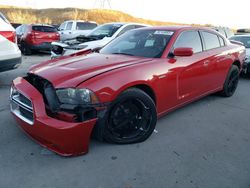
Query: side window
{"points": [[24, 29], [69, 26], [189, 39], [211, 40], [62, 26], [18, 30], [130, 27], [222, 42]]}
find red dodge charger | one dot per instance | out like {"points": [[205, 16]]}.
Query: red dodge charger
{"points": [[117, 93]]}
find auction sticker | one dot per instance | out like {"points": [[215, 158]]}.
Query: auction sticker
{"points": [[163, 32]]}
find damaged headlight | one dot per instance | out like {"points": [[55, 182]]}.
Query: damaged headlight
{"points": [[76, 47], [76, 96]]}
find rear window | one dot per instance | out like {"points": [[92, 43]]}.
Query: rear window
{"points": [[85, 26], [211, 40], [46, 29]]}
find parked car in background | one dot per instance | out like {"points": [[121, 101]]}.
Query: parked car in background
{"points": [[10, 55], [36, 37], [73, 28], [245, 40], [242, 31], [225, 31], [98, 38], [120, 91]]}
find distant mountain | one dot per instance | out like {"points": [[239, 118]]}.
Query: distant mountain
{"points": [[57, 16]]}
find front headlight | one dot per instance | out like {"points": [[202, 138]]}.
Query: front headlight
{"points": [[76, 96]]}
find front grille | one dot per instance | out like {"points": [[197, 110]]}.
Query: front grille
{"points": [[21, 106], [46, 89]]}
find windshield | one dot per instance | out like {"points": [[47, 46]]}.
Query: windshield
{"points": [[244, 39], [106, 30], [46, 29], [85, 26], [143, 43]]}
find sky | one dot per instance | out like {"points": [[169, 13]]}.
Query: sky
{"points": [[234, 14]]}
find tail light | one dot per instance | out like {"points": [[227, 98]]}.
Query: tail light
{"points": [[10, 35], [32, 34], [58, 36]]}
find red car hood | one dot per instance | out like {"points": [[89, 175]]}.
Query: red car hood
{"points": [[70, 72]]}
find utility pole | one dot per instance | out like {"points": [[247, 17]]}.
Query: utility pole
{"points": [[103, 4]]}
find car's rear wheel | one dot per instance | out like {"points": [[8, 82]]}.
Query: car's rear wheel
{"points": [[25, 49], [130, 119], [231, 82]]}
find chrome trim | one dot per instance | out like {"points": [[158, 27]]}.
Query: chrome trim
{"points": [[14, 97], [20, 103], [19, 115]]}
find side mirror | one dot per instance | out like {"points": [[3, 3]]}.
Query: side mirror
{"points": [[184, 52]]}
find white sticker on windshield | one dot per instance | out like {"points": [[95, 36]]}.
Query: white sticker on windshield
{"points": [[163, 32]]}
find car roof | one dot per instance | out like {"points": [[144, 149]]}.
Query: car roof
{"points": [[85, 21], [179, 28], [125, 23], [41, 25]]}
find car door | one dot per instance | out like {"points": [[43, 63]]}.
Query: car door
{"points": [[217, 61], [191, 79], [66, 33]]}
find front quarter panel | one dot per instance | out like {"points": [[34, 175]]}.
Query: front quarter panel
{"points": [[158, 74]]}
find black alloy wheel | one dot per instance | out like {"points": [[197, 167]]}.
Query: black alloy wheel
{"points": [[131, 118], [231, 82]]}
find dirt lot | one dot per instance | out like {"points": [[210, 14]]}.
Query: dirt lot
{"points": [[205, 144]]}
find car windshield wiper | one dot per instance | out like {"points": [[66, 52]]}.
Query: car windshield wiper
{"points": [[121, 53]]}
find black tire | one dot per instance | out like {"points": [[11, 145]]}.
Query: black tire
{"points": [[231, 82], [131, 118], [25, 49], [247, 73]]}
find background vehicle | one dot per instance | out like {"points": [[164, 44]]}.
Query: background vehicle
{"points": [[73, 28], [242, 31], [36, 37], [225, 31], [121, 90], [245, 39], [10, 55], [98, 38]]}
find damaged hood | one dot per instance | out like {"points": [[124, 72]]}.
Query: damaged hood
{"points": [[70, 72]]}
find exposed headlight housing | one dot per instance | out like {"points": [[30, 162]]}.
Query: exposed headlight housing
{"points": [[76, 47], [76, 96]]}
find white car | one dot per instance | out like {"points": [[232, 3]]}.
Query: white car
{"points": [[10, 55], [98, 38], [245, 40], [73, 28]]}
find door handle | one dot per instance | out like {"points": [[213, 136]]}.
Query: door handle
{"points": [[205, 63]]}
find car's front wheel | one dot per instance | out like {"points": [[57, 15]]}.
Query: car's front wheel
{"points": [[231, 82], [130, 119]]}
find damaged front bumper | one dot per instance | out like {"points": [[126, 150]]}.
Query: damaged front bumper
{"points": [[64, 138]]}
